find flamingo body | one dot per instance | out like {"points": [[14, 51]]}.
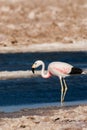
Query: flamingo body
{"points": [[59, 69]]}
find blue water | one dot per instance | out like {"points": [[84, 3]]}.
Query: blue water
{"points": [[31, 91]]}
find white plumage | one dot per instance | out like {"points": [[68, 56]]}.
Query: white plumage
{"points": [[59, 69]]}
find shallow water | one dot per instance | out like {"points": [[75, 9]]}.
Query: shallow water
{"points": [[33, 91]]}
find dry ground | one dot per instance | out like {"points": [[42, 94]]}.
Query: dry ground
{"points": [[25, 22], [51, 118]]}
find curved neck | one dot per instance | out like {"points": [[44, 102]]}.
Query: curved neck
{"points": [[43, 74], [43, 70]]}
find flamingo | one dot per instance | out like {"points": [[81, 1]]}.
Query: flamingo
{"points": [[59, 69]]}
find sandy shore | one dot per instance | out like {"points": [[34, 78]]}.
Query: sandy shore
{"points": [[50, 118], [31, 26], [46, 47]]}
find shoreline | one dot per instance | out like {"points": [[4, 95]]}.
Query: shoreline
{"points": [[42, 106], [50, 118], [39, 111], [46, 47]]}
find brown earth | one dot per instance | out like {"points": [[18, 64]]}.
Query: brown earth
{"points": [[51, 118], [25, 22]]}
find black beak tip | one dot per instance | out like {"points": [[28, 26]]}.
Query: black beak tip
{"points": [[33, 70]]}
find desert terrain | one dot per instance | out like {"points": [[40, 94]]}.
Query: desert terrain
{"points": [[51, 118], [24, 24]]}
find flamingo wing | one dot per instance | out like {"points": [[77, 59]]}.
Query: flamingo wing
{"points": [[60, 68]]}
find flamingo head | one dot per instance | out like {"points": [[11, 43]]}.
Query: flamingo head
{"points": [[36, 65]]}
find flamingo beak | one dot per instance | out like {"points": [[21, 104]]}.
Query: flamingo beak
{"points": [[33, 68]]}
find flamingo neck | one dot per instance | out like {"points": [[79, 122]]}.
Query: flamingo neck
{"points": [[43, 74]]}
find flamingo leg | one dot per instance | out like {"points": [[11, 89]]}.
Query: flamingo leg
{"points": [[62, 90], [65, 88]]}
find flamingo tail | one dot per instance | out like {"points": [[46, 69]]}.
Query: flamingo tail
{"points": [[84, 71]]}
